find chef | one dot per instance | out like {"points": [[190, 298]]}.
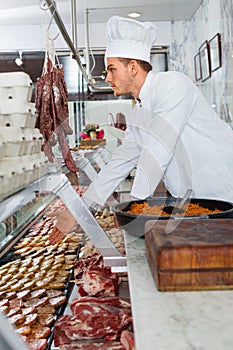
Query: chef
{"points": [[172, 133]]}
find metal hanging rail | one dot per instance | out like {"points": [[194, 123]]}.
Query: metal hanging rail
{"points": [[51, 4], [52, 7]]}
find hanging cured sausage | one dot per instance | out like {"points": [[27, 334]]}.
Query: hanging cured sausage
{"points": [[52, 111]]}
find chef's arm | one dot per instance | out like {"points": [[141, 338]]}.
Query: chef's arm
{"points": [[123, 160]]}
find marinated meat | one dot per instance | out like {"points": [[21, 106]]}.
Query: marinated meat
{"points": [[30, 319], [26, 330], [37, 293], [36, 302], [4, 308], [39, 332], [4, 302], [46, 319], [37, 344], [53, 293], [14, 311], [91, 320], [57, 301], [11, 295], [23, 295], [16, 319], [16, 303], [28, 310], [111, 345], [48, 309]]}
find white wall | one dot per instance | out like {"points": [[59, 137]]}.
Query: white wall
{"points": [[213, 16], [33, 37]]}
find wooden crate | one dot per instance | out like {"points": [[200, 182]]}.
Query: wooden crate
{"points": [[196, 255]]}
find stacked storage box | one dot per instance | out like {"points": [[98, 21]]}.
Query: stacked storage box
{"points": [[21, 159]]}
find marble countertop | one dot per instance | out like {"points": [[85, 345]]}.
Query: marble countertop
{"points": [[200, 320]]}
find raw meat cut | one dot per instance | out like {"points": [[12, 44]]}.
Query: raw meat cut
{"points": [[97, 281], [94, 279], [93, 318], [111, 345], [127, 339], [114, 301], [82, 264]]}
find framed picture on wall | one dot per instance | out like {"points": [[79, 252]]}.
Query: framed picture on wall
{"points": [[215, 52], [197, 66], [204, 52]]}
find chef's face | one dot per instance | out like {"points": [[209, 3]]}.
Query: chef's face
{"points": [[119, 77]]}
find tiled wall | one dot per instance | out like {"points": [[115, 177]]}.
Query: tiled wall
{"points": [[213, 16]]}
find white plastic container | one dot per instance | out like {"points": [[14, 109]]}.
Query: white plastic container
{"points": [[29, 142], [38, 140], [13, 172], [14, 141], [28, 168], [17, 107], [18, 120], [33, 139], [15, 85], [2, 149], [3, 183]]}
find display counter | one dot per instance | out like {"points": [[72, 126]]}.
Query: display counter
{"points": [[200, 320]]}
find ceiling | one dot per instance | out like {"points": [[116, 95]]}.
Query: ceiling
{"points": [[35, 12], [29, 11]]}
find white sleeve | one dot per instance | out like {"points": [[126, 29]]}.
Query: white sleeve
{"points": [[123, 160]]}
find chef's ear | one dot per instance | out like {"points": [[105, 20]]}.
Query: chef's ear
{"points": [[133, 67]]}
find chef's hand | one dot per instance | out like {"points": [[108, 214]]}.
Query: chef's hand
{"points": [[64, 224], [55, 236], [64, 220]]}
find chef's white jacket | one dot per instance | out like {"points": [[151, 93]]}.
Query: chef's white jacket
{"points": [[174, 135]]}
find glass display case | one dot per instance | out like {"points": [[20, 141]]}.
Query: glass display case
{"points": [[18, 212]]}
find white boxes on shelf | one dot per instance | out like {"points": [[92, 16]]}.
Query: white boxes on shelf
{"points": [[21, 159], [15, 86], [17, 113]]}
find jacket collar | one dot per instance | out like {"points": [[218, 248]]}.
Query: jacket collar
{"points": [[145, 90]]}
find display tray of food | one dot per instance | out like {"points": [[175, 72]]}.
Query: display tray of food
{"points": [[99, 312], [190, 254], [133, 215], [36, 281]]}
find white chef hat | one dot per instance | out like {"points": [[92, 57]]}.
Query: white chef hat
{"points": [[129, 38]]}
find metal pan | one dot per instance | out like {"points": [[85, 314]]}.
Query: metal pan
{"points": [[134, 223]]}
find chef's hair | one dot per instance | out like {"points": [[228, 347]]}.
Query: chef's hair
{"points": [[146, 66]]}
